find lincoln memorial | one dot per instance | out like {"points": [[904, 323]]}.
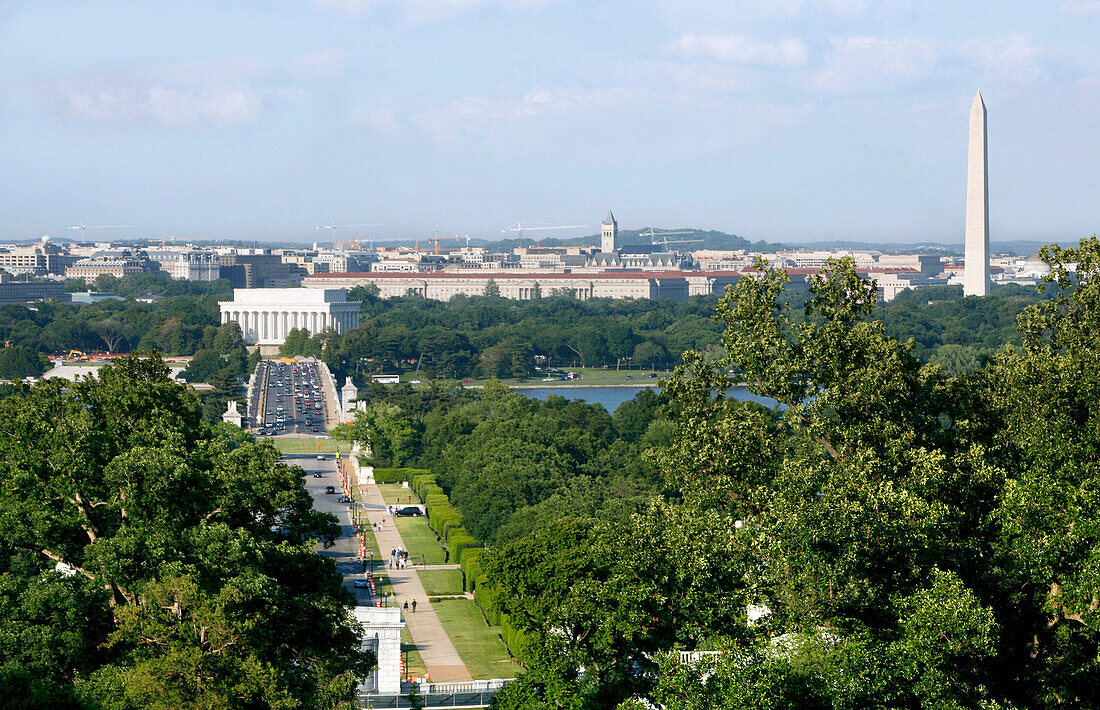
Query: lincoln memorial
{"points": [[266, 315]]}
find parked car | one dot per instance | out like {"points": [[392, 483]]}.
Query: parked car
{"points": [[330, 489], [408, 511], [362, 584]]}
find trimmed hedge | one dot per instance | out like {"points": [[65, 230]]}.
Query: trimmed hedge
{"points": [[486, 595], [397, 475], [471, 566], [458, 541], [441, 518], [422, 480], [517, 641]]}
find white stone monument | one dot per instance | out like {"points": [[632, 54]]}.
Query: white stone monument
{"points": [[348, 394], [976, 266], [267, 315], [232, 416], [382, 635]]}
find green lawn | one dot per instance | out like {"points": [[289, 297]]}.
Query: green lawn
{"points": [[394, 494], [420, 540], [416, 665], [372, 544], [477, 643], [382, 581], [308, 446], [440, 582]]}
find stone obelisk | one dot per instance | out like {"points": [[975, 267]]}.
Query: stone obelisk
{"points": [[976, 267]]}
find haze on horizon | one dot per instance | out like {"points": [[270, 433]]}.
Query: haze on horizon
{"points": [[788, 121]]}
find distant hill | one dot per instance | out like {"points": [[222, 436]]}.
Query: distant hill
{"points": [[710, 239], [1019, 247]]}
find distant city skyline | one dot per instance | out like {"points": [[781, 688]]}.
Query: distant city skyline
{"points": [[789, 121]]}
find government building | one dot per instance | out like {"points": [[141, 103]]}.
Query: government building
{"points": [[266, 315], [443, 286]]}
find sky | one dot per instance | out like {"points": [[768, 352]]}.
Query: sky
{"points": [[782, 120]]}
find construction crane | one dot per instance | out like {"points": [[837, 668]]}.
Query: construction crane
{"points": [[437, 239], [660, 236], [355, 243], [521, 227], [333, 227]]}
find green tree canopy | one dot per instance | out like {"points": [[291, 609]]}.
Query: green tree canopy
{"points": [[150, 561]]}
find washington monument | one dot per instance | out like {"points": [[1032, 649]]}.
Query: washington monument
{"points": [[976, 267]]}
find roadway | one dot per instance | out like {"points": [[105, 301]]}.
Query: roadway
{"points": [[289, 399], [346, 550]]}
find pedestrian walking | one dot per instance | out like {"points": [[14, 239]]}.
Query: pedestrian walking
{"points": [[406, 605], [414, 606]]}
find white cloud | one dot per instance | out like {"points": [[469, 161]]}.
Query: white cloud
{"points": [[739, 49], [155, 103], [872, 63], [1013, 56], [469, 113], [381, 118], [1082, 7], [424, 11], [320, 63]]}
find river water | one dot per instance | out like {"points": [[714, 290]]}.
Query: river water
{"points": [[612, 397]]}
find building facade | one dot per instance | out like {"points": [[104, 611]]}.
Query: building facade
{"points": [[30, 291], [37, 259], [109, 266], [443, 286], [266, 315]]}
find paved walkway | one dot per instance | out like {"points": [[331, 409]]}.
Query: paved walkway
{"points": [[431, 639]]}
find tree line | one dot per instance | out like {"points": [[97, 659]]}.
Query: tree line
{"points": [[891, 535], [148, 560]]}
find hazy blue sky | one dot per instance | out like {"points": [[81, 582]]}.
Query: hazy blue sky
{"points": [[786, 120]]}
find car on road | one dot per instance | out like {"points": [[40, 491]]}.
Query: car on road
{"points": [[408, 511], [343, 499], [318, 474], [313, 428], [320, 457], [330, 489], [362, 584]]}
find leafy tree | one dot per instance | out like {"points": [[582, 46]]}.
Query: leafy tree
{"points": [[185, 553], [650, 354], [17, 362], [386, 430], [492, 290]]}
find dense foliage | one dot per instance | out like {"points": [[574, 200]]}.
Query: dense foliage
{"points": [[513, 464], [892, 536], [150, 561], [177, 325], [486, 336]]}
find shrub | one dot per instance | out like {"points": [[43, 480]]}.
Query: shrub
{"points": [[517, 641], [459, 540], [397, 475], [471, 566], [389, 475], [485, 596], [421, 480], [441, 517]]}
